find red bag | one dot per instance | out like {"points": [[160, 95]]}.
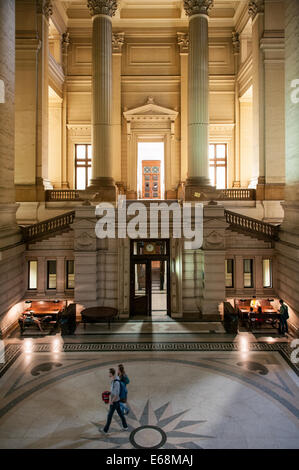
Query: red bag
{"points": [[105, 396]]}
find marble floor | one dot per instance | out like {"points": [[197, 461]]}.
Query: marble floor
{"points": [[211, 392]]}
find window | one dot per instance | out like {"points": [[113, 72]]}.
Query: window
{"points": [[248, 272], [70, 274], [267, 272], [229, 273], [218, 165], [51, 274], [83, 165], [32, 275]]}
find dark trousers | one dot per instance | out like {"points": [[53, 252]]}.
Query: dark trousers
{"points": [[113, 407], [283, 325]]}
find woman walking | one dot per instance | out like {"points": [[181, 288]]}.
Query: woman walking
{"points": [[125, 381]]}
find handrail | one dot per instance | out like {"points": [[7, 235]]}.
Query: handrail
{"points": [[238, 194], [53, 225], [247, 224], [63, 195]]}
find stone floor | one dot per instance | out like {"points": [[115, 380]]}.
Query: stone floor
{"points": [[187, 390]]}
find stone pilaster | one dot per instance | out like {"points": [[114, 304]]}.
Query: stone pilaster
{"points": [[236, 52], [198, 96], [102, 12], [183, 43], [65, 42], [8, 226], [256, 11], [44, 10], [118, 40]]}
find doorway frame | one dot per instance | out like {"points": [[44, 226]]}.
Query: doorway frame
{"points": [[147, 259]]}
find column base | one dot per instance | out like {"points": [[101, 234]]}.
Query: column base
{"points": [[104, 188], [199, 188]]}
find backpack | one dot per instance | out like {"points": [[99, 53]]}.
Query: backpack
{"points": [[286, 312], [122, 390]]}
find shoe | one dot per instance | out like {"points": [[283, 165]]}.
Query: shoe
{"points": [[125, 429], [104, 432]]}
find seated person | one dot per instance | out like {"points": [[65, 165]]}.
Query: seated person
{"points": [[259, 311], [255, 303], [27, 319]]}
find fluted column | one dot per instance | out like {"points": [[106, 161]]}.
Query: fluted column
{"points": [[236, 52], [102, 12], [8, 207], [198, 95]]}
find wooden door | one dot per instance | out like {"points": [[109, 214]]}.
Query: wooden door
{"points": [[151, 179]]}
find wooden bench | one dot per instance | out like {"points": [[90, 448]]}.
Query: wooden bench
{"points": [[98, 315]]}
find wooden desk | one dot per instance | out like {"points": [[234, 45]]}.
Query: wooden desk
{"points": [[98, 315], [43, 311]]}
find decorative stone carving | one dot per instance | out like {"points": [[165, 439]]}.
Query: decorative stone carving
{"points": [[255, 7], [214, 240], [183, 42], [118, 40], [102, 7], [236, 42], [84, 240], [195, 7], [44, 7], [65, 42]]}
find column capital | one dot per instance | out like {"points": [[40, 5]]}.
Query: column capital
{"points": [[118, 40], [65, 42], [183, 42], [255, 7], [195, 7], [44, 7], [102, 7], [236, 42]]}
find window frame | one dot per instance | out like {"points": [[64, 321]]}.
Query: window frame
{"points": [[67, 274], [51, 288], [218, 162], [251, 273], [232, 273], [28, 284], [83, 162], [271, 273]]}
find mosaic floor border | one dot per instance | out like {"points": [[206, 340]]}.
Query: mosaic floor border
{"points": [[12, 351]]}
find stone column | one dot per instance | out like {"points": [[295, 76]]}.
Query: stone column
{"points": [[198, 96], [236, 52], [8, 226], [102, 12], [256, 11]]}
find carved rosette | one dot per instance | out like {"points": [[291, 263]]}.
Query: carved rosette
{"points": [[195, 7], [102, 7], [118, 40], [236, 42], [44, 7], [255, 7], [183, 42], [65, 42]]}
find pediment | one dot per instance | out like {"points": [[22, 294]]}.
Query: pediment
{"points": [[150, 109]]}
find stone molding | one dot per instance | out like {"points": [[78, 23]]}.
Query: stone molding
{"points": [[44, 7], [255, 7], [65, 42], [118, 40], [236, 42], [183, 42], [196, 7], [102, 7]]}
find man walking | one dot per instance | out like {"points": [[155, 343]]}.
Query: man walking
{"points": [[114, 402], [284, 315]]}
